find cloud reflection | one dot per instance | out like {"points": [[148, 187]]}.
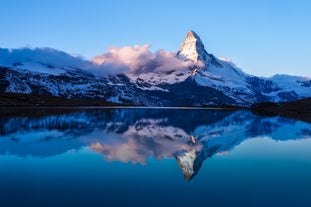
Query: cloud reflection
{"points": [[144, 139]]}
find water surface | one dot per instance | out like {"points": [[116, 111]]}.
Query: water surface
{"points": [[152, 157]]}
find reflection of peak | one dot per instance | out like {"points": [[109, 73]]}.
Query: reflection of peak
{"points": [[190, 162], [185, 161]]}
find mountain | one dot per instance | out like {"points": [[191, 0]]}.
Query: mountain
{"points": [[193, 77]]}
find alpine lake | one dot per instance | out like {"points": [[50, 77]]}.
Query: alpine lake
{"points": [[152, 157]]}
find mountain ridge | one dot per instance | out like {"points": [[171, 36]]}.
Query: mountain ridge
{"points": [[192, 77]]}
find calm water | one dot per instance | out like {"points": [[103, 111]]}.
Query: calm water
{"points": [[152, 157]]}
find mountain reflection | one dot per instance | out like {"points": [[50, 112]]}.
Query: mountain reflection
{"points": [[134, 135]]}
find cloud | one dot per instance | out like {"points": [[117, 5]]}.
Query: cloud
{"points": [[228, 61], [137, 59], [41, 55]]}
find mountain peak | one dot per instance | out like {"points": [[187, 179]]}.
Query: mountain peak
{"points": [[192, 48], [192, 34]]}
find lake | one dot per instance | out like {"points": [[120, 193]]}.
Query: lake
{"points": [[152, 157]]}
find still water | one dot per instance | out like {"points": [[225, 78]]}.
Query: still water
{"points": [[152, 157]]}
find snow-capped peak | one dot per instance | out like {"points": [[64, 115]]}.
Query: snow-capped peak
{"points": [[192, 48]]}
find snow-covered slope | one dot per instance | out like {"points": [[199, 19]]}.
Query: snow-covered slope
{"points": [[294, 84], [222, 75], [193, 77]]}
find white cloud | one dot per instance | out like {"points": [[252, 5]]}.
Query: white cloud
{"points": [[41, 55]]}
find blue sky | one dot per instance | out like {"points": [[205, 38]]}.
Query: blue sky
{"points": [[263, 37]]}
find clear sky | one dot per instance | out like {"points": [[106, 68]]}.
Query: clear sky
{"points": [[263, 37]]}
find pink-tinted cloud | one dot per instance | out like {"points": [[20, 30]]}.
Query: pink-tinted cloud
{"points": [[137, 59]]}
